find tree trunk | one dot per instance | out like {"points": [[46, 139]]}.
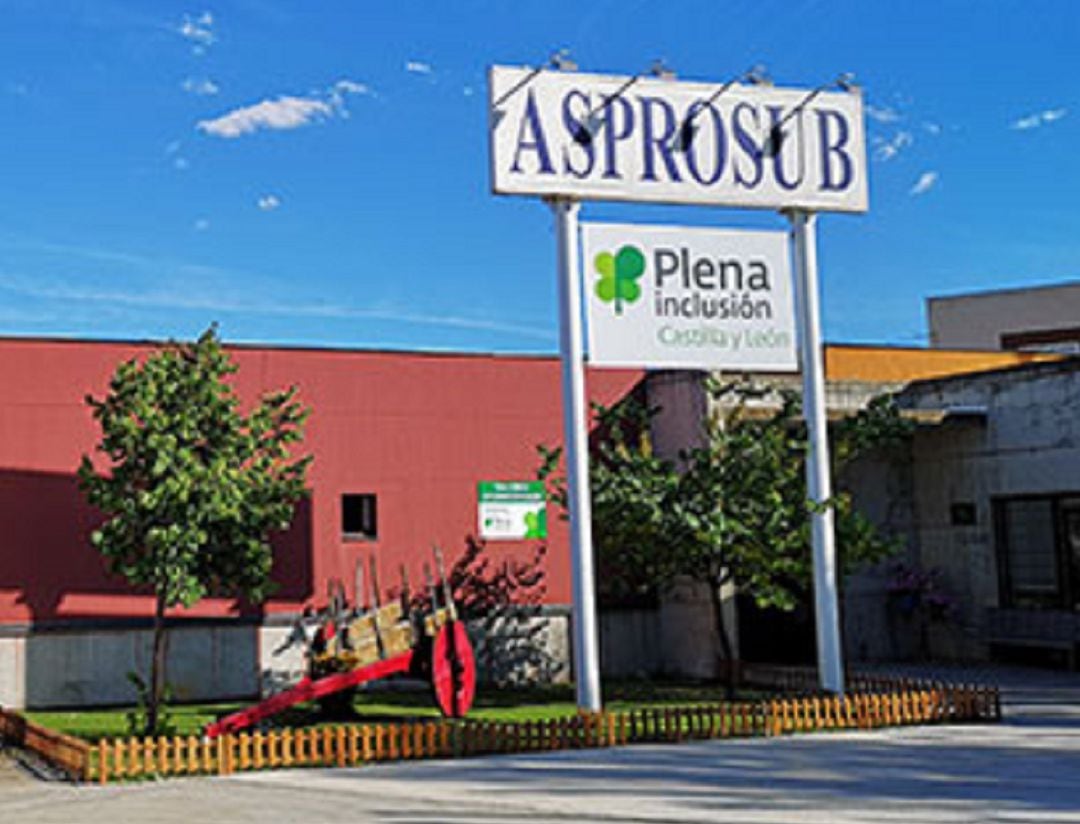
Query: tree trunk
{"points": [[725, 639], [157, 668]]}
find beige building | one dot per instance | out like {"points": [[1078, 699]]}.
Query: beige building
{"points": [[994, 499], [678, 637], [1043, 318]]}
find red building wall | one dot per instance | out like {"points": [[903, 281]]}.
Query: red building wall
{"points": [[417, 430]]}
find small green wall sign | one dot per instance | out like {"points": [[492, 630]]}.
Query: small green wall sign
{"points": [[511, 510]]}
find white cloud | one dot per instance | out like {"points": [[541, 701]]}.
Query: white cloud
{"points": [[200, 86], [337, 93], [1033, 121], [180, 164], [888, 149], [926, 182], [172, 147], [883, 114], [283, 113], [17, 317], [418, 67], [213, 300], [198, 29], [268, 203], [468, 91], [932, 128], [210, 288], [345, 86], [201, 224], [287, 111]]}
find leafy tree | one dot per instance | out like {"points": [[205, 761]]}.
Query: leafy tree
{"points": [[193, 487], [732, 509], [742, 501], [629, 488]]}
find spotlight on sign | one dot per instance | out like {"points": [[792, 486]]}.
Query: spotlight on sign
{"points": [[684, 137], [846, 82], [586, 131], [759, 76], [661, 70], [561, 61], [774, 142]]}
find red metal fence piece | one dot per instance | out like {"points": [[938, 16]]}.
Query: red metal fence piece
{"points": [[309, 690], [351, 644], [453, 670]]}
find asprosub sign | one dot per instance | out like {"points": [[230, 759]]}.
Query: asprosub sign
{"points": [[606, 137], [569, 137], [673, 297]]}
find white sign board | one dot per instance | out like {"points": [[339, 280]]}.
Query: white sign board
{"points": [[672, 297], [511, 510], [603, 137]]}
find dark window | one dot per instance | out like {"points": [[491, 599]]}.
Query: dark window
{"points": [[1066, 341], [962, 514], [359, 521], [1039, 552]]}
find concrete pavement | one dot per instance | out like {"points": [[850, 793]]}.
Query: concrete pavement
{"points": [[1026, 769], [11, 773]]}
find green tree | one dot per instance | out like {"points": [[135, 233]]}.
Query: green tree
{"points": [[630, 486], [730, 510], [741, 513], [192, 487]]}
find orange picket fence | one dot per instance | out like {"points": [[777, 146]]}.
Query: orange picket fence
{"points": [[64, 752], [356, 744]]}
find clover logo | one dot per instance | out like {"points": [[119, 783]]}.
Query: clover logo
{"points": [[619, 274]]}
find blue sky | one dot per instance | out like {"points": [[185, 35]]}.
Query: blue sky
{"points": [[316, 172]]}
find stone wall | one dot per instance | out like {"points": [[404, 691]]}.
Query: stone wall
{"points": [[85, 668], [677, 639], [89, 667], [881, 487], [515, 647], [12, 672], [1005, 433]]}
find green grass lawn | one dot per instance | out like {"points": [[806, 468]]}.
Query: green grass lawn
{"points": [[516, 704]]}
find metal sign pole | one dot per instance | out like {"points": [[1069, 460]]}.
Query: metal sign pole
{"points": [[818, 484], [575, 433]]}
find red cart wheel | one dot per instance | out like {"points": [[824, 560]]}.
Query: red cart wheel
{"points": [[453, 670]]}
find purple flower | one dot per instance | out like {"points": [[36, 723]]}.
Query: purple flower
{"points": [[917, 588]]}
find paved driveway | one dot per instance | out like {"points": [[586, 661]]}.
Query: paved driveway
{"points": [[11, 773], [1027, 769]]}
